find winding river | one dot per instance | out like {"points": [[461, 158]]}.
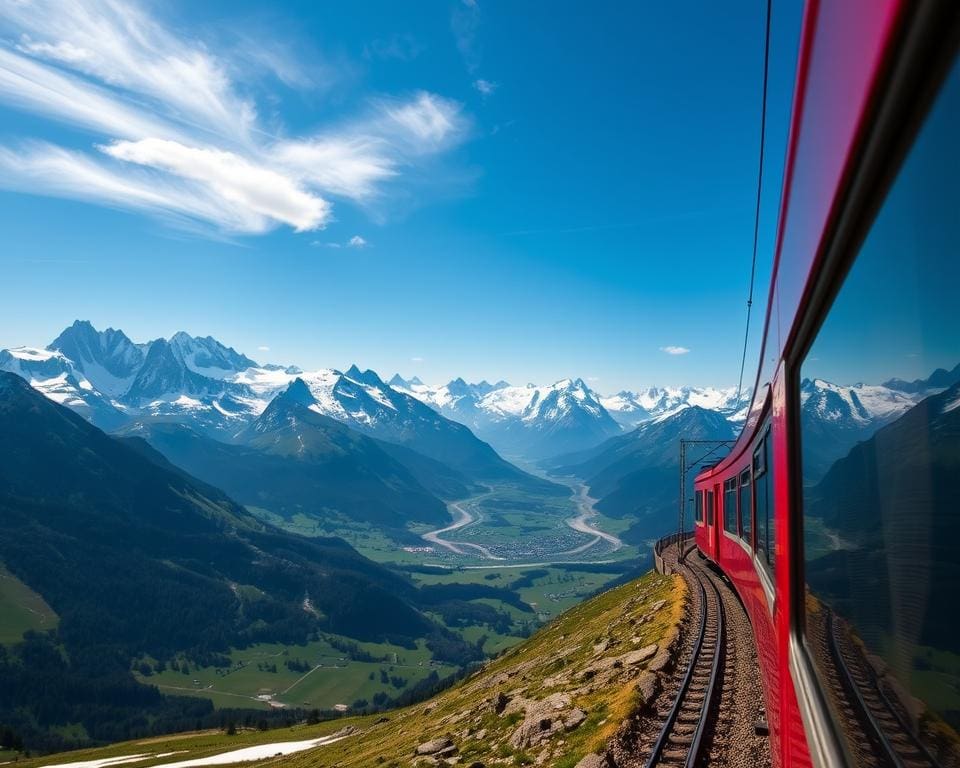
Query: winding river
{"points": [[463, 517]]}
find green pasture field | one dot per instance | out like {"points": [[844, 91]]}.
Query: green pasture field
{"points": [[21, 609], [332, 678]]}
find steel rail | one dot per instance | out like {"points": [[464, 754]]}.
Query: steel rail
{"points": [[697, 741]]}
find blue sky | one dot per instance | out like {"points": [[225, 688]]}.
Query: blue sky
{"points": [[490, 189]]}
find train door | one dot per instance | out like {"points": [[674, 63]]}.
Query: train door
{"points": [[711, 513]]}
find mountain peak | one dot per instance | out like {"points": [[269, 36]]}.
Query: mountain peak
{"points": [[364, 377], [399, 381], [107, 358], [458, 387], [297, 392]]}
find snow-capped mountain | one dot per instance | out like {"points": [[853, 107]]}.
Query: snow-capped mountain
{"points": [[399, 382], [836, 417], [57, 377], [219, 392], [365, 402], [531, 421], [111, 380], [108, 359], [630, 409]]}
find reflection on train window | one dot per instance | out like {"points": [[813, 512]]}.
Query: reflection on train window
{"points": [[709, 507], [880, 435], [698, 509], [745, 511], [762, 495], [730, 505]]}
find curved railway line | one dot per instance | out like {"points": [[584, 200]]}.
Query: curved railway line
{"points": [[682, 739], [708, 709]]}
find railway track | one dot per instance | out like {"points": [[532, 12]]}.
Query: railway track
{"points": [[893, 742], [683, 736]]}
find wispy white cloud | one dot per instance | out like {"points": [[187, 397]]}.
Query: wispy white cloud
{"points": [[121, 45], [425, 122], [42, 168], [177, 136], [350, 166], [44, 90], [235, 179], [673, 350], [416, 359], [485, 87], [263, 349], [357, 242]]}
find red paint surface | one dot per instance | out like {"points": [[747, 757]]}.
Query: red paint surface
{"points": [[842, 53]]}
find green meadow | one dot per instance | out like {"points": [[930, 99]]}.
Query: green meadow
{"points": [[21, 609]]}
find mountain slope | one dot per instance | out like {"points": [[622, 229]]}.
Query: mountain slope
{"points": [[363, 401], [54, 375], [635, 475], [293, 460], [137, 558], [62, 479], [893, 504], [834, 418]]}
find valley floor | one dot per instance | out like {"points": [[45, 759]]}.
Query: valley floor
{"points": [[469, 512]]}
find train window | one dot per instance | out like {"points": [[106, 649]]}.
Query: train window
{"points": [[730, 505], [880, 434], [709, 507], [762, 495], [746, 512], [698, 507]]}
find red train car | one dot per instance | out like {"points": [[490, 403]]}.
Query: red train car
{"points": [[836, 515]]}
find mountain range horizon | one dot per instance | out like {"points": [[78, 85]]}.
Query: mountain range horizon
{"points": [[114, 381]]}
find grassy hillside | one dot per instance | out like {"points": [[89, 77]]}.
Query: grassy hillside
{"points": [[22, 609], [553, 699]]}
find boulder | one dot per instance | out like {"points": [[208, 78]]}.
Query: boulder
{"points": [[574, 719], [542, 720], [639, 656], [435, 747], [648, 686]]}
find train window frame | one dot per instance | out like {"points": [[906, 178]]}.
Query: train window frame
{"points": [[746, 536], [763, 471], [730, 511], [710, 507], [698, 507]]}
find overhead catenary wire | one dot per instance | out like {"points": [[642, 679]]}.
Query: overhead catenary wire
{"points": [[756, 218]]}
